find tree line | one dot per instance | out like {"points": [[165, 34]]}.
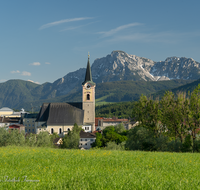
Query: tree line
{"points": [[173, 118], [16, 138]]}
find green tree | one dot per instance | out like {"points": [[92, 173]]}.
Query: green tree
{"points": [[15, 137], [110, 134], [115, 146], [171, 114], [187, 145], [31, 139], [194, 117], [119, 128], [72, 138], [148, 113], [53, 136], [140, 138], [98, 142], [43, 139], [4, 135]]}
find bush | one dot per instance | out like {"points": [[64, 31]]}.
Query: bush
{"points": [[31, 140], [197, 145], [187, 145], [175, 146], [115, 146], [71, 140], [43, 139], [15, 137], [119, 128], [3, 137], [161, 143], [139, 138]]}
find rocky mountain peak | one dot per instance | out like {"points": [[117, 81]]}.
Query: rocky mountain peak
{"points": [[170, 59], [120, 65]]}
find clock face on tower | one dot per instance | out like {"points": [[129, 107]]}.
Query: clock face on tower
{"points": [[88, 86]]}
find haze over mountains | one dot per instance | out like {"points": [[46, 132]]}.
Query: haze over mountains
{"points": [[117, 66]]}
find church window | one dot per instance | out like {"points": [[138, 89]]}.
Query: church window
{"points": [[68, 129], [52, 131], [60, 130], [88, 97]]}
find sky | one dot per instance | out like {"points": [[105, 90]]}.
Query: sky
{"points": [[43, 40]]}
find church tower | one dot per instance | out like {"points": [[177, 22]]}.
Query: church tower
{"points": [[88, 97]]}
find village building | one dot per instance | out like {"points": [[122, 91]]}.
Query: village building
{"points": [[86, 140], [28, 120], [19, 127], [61, 117], [101, 123], [9, 117]]}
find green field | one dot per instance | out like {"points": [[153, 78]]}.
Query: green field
{"points": [[97, 169]]}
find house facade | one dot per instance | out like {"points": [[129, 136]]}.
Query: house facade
{"points": [[86, 140], [102, 123], [29, 122]]}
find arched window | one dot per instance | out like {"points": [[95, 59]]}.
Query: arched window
{"points": [[88, 97], [60, 131], [52, 131]]}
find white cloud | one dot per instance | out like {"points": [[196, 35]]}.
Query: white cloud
{"points": [[13, 72], [25, 73], [47, 63], [75, 27], [162, 37], [63, 21], [33, 82], [35, 63], [115, 30]]}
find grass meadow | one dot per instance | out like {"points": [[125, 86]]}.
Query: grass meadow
{"points": [[48, 168]]}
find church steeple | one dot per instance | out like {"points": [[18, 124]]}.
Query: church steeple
{"points": [[88, 98], [88, 75]]}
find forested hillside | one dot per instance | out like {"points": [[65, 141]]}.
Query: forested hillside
{"points": [[111, 92]]}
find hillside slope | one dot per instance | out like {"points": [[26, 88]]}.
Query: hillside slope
{"points": [[111, 92]]}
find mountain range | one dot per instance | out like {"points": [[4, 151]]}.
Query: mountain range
{"points": [[119, 68]]}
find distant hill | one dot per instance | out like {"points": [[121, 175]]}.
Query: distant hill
{"points": [[111, 92], [189, 87], [14, 91], [124, 109]]}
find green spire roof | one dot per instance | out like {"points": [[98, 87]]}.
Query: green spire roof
{"points": [[88, 75]]}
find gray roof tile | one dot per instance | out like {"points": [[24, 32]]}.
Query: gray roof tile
{"points": [[60, 114]]}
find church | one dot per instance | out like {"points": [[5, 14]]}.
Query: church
{"points": [[60, 117]]}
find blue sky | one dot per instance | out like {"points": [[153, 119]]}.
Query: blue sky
{"points": [[43, 40]]}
